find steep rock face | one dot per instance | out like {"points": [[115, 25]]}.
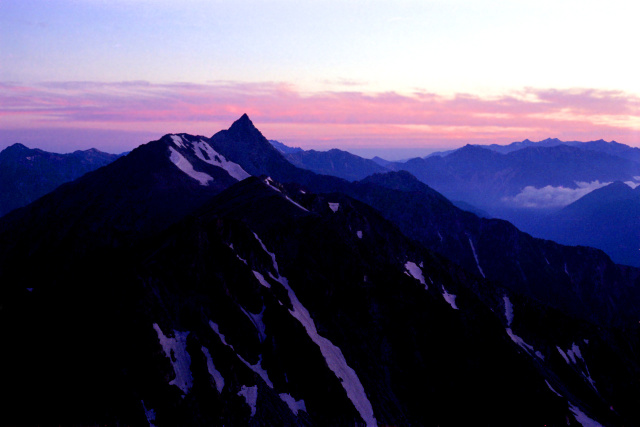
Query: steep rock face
{"points": [[27, 174], [312, 311]]}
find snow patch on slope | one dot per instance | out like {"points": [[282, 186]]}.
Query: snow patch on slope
{"points": [[250, 395], [416, 272], [450, 298], [473, 249], [261, 279], [215, 374], [551, 388], [334, 207], [508, 310], [297, 204], [271, 254], [335, 359], [293, 404], [150, 414], [183, 164], [582, 418], [271, 183], [217, 159], [572, 356], [331, 353], [177, 140], [257, 368], [176, 350]]}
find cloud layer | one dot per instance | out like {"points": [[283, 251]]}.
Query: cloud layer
{"points": [[352, 118], [553, 197]]}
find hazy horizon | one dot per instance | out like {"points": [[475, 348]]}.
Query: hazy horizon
{"points": [[366, 77]]}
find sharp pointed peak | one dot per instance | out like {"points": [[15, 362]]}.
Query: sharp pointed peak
{"points": [[244, 120]]}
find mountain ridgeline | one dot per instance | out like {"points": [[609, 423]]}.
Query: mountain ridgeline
{"points": [[527, 183], [210, 281], [27, 174]]}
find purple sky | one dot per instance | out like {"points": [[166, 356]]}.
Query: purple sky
{"points": [[369, 77]]}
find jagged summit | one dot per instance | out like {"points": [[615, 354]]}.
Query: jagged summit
{"points": [[244, 127]]}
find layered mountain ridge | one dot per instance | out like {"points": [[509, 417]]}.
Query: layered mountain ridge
{"points": [[27, 174], [199, 295]]}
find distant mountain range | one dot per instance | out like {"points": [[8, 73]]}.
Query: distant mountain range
{"points": [[607, 218], [609, 147], [209, 281], [524, 182], [26, 174]]}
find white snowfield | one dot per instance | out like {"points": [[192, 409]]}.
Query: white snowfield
{"points": [[331, 353], [334, 207], [508, 310], [150, 414], [176, 350], [508, 314], [572, 356], [416, 272], [450, 298], [178, 140], [582, 418], [183, 164], [250, 395], [257, 368], [294, 405], [216, 159]]}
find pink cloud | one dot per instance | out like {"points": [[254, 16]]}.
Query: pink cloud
{"points": [[350, 117]]}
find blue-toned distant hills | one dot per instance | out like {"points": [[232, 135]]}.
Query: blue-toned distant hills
{"points": [[27, 174]]}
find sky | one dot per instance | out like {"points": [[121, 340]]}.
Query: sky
{"points": [[390, 78]]}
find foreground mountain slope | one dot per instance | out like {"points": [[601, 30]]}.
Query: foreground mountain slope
{"points": [[577, 280], [27, 174], [135, 196], [312, 310], [272, 305]]}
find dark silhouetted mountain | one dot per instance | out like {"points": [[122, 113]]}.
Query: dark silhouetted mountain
{"points": [[135, 196], [606, 218], [555, 274], [335, 162], [284, 149], [159, 290], [270, 307], [27, 174]]}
